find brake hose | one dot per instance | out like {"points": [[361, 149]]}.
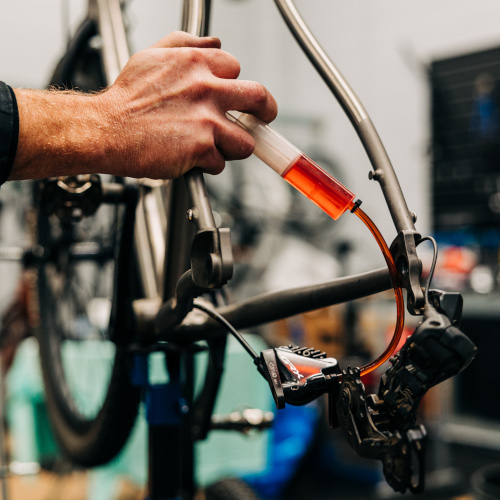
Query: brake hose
{"points": [[398, 330]]}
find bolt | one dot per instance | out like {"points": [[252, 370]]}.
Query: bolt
{"points": [[414, 217], [190, 214], [375, 176], [403, 270], [183, 407]]}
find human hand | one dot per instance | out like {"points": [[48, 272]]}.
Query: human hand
{"points": [[167, 109]]}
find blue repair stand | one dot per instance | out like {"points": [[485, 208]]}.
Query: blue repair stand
{"points": [[170, 443]]}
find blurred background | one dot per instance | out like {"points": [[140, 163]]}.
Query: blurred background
{"points": [[428, 74]]}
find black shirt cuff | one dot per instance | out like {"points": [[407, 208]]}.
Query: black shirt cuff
{"points": [[9, 130]]}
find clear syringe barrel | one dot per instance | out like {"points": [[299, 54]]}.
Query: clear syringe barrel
{"points": [[295, 167]]}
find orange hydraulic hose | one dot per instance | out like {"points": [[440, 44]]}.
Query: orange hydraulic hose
{"points": [[398, 331]]}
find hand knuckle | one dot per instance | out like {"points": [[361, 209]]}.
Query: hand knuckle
{"points": [[260, 94], [204, 145], [201, 91], [190, 56], [234, 64]]}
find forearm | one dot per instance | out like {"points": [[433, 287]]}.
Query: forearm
{"points": [[60, 133], [164, 115]]}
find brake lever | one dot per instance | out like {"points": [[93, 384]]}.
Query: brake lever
{"points": [[298, 375]]}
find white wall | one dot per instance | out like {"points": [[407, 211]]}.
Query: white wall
{"points": [[381, 46]]}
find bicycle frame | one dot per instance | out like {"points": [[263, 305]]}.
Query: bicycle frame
{"points": [[194, 21], [156, 243], [168, 262]]}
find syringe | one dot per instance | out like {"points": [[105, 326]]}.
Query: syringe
{"points": [[295, 167]]}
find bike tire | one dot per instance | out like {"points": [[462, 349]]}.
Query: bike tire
{"points": [[88, 437], [91, 440], [90, 400]]}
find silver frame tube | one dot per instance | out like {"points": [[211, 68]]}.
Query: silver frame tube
{"points": [[149, 231], [115, 46], [384, 171], [194, 17]]}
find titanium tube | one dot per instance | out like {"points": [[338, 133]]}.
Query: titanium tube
{"points": [[276, 305], [115, 47], [384, 171], [195, 15], [149, 238]]}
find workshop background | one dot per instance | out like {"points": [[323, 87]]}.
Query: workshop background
{"points": [[428, 74]]}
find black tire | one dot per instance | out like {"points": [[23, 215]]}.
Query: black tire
{"points": [[230, 489], [90, 400], [88, 436]]}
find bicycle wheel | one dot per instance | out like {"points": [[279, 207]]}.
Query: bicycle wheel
{"points": [[90, 400]]}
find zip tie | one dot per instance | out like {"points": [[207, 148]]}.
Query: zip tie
{"points": [[357, 204]]}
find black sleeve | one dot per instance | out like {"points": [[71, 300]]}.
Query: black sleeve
{"points": [[9, 130]]}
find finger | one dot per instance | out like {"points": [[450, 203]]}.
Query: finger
{"points": [[233, 142], [222, 64], [183, 39], [249, 97], [212, 163]]}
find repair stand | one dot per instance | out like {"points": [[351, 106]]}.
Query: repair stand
{"points": [[170, 442]]}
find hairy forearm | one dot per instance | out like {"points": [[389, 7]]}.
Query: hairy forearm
{"points": [[60, 133], [164, 115]]}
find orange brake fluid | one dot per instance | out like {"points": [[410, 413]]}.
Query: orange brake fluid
{"points": [[319, 186], [398, 330], [324, 190]]}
